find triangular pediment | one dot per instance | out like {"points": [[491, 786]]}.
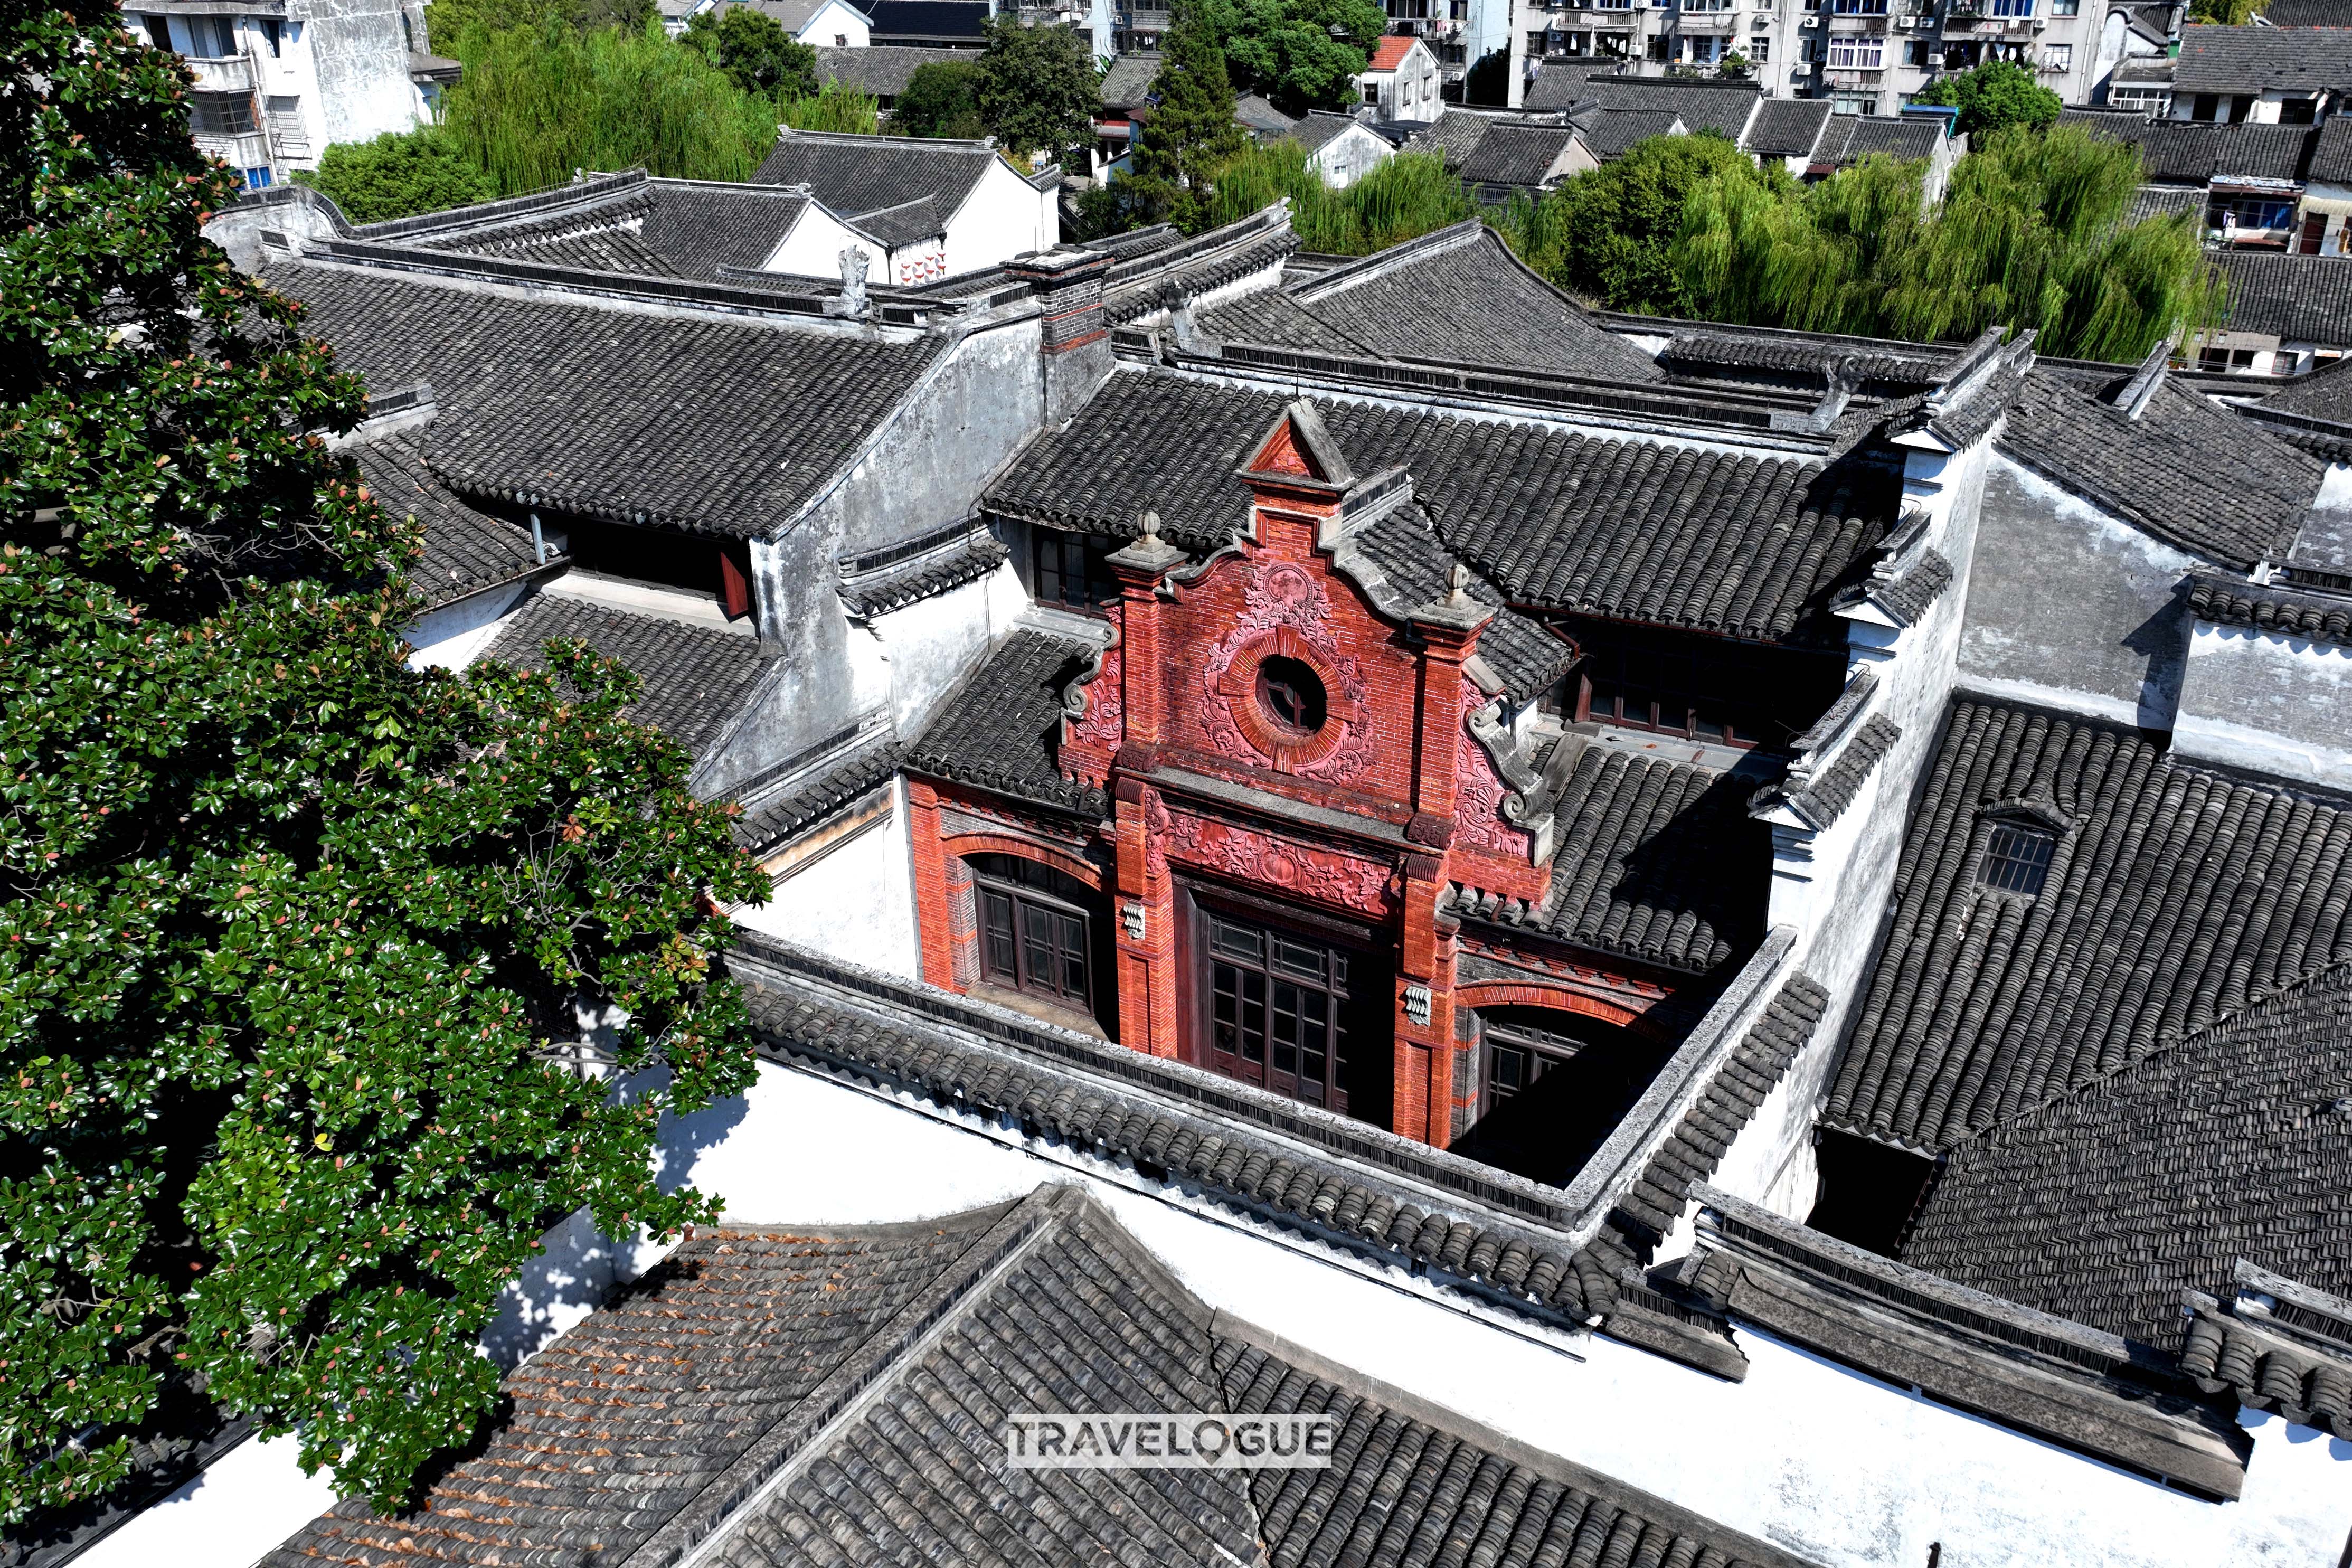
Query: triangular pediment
{"points": [[1298, 446]]}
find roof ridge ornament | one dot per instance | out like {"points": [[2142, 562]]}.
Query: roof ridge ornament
{"points": [[2132, 399]]}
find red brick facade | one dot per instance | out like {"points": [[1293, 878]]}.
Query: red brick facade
{"points": [[1360, 821]]}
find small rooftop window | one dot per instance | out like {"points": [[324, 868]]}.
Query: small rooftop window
{"points": [[2017, 860]]}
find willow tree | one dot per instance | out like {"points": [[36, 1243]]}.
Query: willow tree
{"points": [[294, 940], [1406, 197]]}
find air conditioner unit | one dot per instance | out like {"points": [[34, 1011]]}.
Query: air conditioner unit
{"points": [[1934, 60]]}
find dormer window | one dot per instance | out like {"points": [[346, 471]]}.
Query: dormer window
{"points": [[2017, 858]]}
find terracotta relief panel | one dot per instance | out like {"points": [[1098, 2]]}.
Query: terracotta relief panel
{"points": [[1324, 875]]}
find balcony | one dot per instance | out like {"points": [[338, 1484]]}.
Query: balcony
{"points": [[1843, 75], [1707, 24], [224, 73], [246, 150], [1858, 26]]}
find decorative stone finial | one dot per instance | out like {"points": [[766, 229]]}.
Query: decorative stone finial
{"points": [[1151, 523], [1457, 584], [853, 280]]}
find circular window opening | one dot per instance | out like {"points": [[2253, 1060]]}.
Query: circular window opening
{"points": [[1290, 693]]}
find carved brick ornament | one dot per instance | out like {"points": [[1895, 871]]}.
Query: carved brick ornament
{"points": [[1287, 617], [1333, 879]]}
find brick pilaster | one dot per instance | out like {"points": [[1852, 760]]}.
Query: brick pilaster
{"points": [[934, 918]]}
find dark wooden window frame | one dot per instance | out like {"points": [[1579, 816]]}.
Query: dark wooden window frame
{"points": [[1036, 919], [1367, 950], [1090, 587], [1539, 1053]]}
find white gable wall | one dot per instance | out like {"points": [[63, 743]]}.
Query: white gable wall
{"points": [[837, 26], [1004, 216]]}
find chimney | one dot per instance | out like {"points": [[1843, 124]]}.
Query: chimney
{"points": [[1069, 285]]}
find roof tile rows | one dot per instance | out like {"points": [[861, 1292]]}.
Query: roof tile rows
{"points": [[2271, 607], [1702, 104], [684, 229], [2193, 475], [855, 175], [708, 423], [1658, 861], [1749, 547], [884, 70], [2175, 897], [1002, 730], [1850, 138], [1788, 127], [2252, 59], [465, 550], [692, 680], [2105, 1205], [2302, 299]]}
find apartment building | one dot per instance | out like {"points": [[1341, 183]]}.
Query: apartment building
{"points": [[276, 83], [1870, 56]]}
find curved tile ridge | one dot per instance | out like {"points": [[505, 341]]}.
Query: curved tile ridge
{"points": [[1503, 1238], [2271, 607]]}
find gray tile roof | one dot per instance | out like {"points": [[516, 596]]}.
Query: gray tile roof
{"points": [[1002, 729], [2309, 14], [2280, 1345], [2107, 1203], [2259, 59], [2192, 152], [1562, 85], [1788, 127], [1318, 128], [692, 680], [1260, 115], [2331, 155], [1701, 103], [1812, 354], [465, 550], [2325, 394], [671, 228], [2194, 475], [1610, 133], [1745, 546], [922, 218], [2175, 897], [1401, 546], [703, 422], [1850, 138], [2305, 299], [1450, 136], [1658, 861], [1128, 83], [635, 1413], [785, 815], [1692, 1154], [884, 70], [1823, 799], [858, 174], [879, 581], [1274, 318], [1459, 296], [2271, 607], [1514, 154]]}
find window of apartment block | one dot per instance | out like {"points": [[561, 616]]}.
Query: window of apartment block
{"points": [[220, 113], [2058, 57], [1915, 53], [1066, 569], [1859, 7], [2226, 362], [273, 34], [2298, 110], [212, 37], [1759, 49], [1857, 54], [2065, 7], [2012, 8]]}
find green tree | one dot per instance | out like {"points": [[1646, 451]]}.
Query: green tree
{"points": [[1994, 96], [1191, 131], [1610, 234], [1039, 91], [446, 22], [839, 107], [755, 52], [297, 939], [2227, 13], [1407, 196], [1734, 66], [942, 98], [1301, 54], [398, 174], [534, 106]]}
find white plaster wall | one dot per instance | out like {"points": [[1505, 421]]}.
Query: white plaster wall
{"points": [[252, 1497], [2257, 700], [1771, 1162], [931, 644], [837, 26], [1349, 156], [453, 637], [1004, 217], [2071, 598], [813, 249], [857, 903]]}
